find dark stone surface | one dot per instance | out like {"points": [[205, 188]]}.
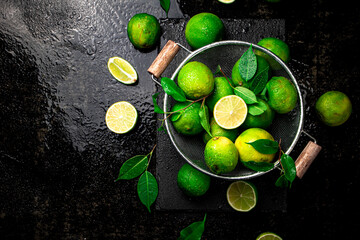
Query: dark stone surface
{"points": [[58, 160]]}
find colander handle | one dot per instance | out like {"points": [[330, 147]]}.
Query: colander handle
{"points": [[164, 58], [306, 157]]}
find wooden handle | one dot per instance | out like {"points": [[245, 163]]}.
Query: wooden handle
{"points": [[306, 157], [164, 58]]}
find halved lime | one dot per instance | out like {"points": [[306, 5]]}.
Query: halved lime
{"points": [[122, 70], [242, 196], [226, 1], [268, 236], [121, 117], [230, 112]]}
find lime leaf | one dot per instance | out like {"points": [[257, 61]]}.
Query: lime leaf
{"points": [[157, 109], [172, 89], [282, 182], [259, 166], [147, 189], [257, 108], [194, 231], [204, 119], [165, 4], [133, 167], [246, 94], [259, 81], [289, 167], [265, 146], [176, 116], [248, 64]]}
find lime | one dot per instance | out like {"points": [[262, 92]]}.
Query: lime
{"points": [[143, 30], [196, 80], [192, 182], [203, 29], [186, 121], [333, 108], [121, 117], [230, 112], [242, 196], [218, 131], [122, 70], [282, 94], [226, 1], [221, 155], [247, 152], [268, 236], [276, 46], [222, 88], [263, 120], [238, 80]]}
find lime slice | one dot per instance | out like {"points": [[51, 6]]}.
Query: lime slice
{"points": [[242, 196], [122, 70], [268, 236], [230, 111], [121, 117], [226, 1]]}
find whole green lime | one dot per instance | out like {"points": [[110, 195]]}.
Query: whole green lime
{"points": [[186, 120], [192, 182], [276, 46], [143, 30], [333, 108], [222, 88], [238, 80], [247, 152], [282, 94], [218, 131], [221, 155], [196, 80], [263, 120], [203, 29]]}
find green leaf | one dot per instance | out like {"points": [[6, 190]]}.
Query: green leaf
{"points": [[217, 70], [172, 89], [259, 81], [147, 189], [257, 108], [133, 167], [194, 231], [204, 119], [289, 167], [263, 94], [282, 181], [265, 146], [157, 109], [246, 94], [176, 116], [165, 4], [259, 166], [161, 129], [248, 64]]}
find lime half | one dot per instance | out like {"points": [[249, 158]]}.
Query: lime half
{"points": [[242, 196], [122, 70], [226, 1], [268, 236], [121, 117], [230, 111]]}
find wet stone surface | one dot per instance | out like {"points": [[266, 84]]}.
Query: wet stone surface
{"points": [[58, 161]]}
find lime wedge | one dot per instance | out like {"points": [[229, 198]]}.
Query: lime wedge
{"points": [[226, 1], [121, 117], [230, 111], [268, 236], [122, 70], [242, 196]]}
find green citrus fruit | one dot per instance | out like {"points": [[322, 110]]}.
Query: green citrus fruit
{"points": [[143, 30], [186, 121], [196, 80], [263, 120], [203, 29], [268, 236], [242, 196], [333, 108], [222, 88], [247, 152], [276, 46], [282, 94], [238, 80], [192, 182], [221, 155], [218, 131]]}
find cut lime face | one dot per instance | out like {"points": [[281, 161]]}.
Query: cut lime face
{"points": [[268, 236], [230, 112], [121, 117], [226, 1], [122, 70], [242, 196]]}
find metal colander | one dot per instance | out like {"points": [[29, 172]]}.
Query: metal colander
{"points": [[286, 127]]}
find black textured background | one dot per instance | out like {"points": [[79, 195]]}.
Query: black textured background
{"points": [[58, 160]]}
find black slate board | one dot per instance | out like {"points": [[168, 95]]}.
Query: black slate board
{"points": [[168, 161]]}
